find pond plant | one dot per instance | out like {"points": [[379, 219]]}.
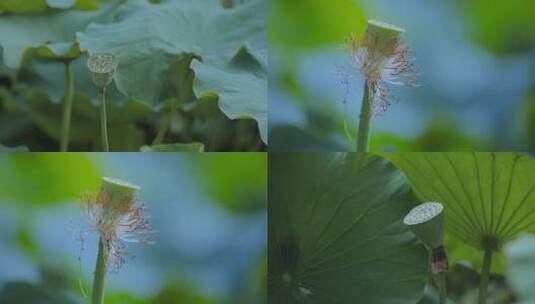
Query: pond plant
{"points": [[344, 226], [102, 67], [117, 217], [382, 58], [426, 221], [196, 79]]}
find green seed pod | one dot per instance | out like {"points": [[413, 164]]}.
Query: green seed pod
{"points": [[427, 222], [382, 38], [102, 66], [116, 196]]}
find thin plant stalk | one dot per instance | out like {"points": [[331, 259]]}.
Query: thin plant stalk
{"points": [[485, 273], [67, 109], [164, 126], [366, 112], [442, 292], [100, 274], [104, 122]]}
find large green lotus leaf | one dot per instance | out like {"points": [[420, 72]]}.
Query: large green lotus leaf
{"points": [[521, 260], [27, 6], [49, 33], [488, 196], [50, 76], [335, 232], [231, 43]]}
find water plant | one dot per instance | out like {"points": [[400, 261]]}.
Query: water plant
{"points": [[117, 217], [382, 58], [427, 222], [336, 233], [487, 196], [102, 67], [198, 76]]}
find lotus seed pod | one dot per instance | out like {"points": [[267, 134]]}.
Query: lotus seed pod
{"points": [[102, 66], [117, 196], [382, 38], [427, 222]]}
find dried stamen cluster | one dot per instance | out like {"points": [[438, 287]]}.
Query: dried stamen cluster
{"points": [[382, 58], [117, 217]]}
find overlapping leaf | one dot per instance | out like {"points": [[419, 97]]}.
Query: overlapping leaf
{"points": [[335, 232], [50, 33], [231, 43], [488, 196]]}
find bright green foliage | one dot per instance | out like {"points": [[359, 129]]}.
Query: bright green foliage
{"points": [[303, 24], [487, 196], [230, 43], [238, 183], [32, 6], [46, 178], [335, 232]]}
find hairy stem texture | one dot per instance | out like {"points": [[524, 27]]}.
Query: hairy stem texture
{"points": [[67, 109], [363, 136], [100, 274]]}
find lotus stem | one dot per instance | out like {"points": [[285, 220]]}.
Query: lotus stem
{"points": [[485, 273], [104, 122], [67, 108], [365, 117], [100, 274], [442, 291]]}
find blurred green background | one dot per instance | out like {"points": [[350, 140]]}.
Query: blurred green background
{"points": [[208, 212], [476, 61]]}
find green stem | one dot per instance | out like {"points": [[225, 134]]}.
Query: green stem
{"points": [[164, 125], [100, 273], [104, 122], [67, 108], [485, 272], [364, 121], [442, 293]]}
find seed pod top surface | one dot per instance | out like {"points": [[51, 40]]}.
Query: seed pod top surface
{"points": [[102, 63], [427, 222], [423, 213]]}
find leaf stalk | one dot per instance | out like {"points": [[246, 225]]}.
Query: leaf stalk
{"points": [[100, 274], [104, 122], [485, 273], [363, 136], [67, 108]]}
